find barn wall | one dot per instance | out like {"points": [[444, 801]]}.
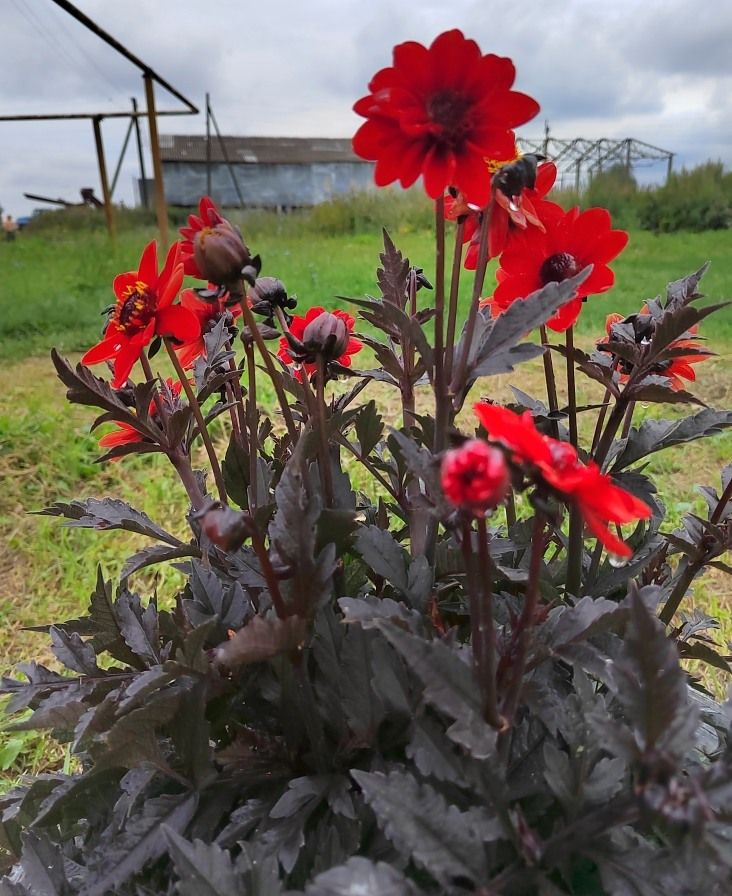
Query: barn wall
{"points": [[266, 185]]}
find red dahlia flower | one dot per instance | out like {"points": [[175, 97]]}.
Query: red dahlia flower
{"points": [[126, 434], [321, 334], [144, 309], [213, 249], [208, 314], [571, 241], [440, 112], [555, 466], [475, 477]]}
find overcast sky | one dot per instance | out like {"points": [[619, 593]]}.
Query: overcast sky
{"points": [[656, 70]]}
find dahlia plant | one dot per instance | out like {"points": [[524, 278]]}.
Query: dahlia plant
{"points": [[461, 675]]}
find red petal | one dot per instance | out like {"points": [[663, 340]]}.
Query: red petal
{"points": [[178, 322], [104, 350], [148, 269]]}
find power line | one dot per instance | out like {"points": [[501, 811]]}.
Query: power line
{"points": [[40, 29], [99, 70]]}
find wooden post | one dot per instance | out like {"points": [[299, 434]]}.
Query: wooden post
{"points": [[208, 147], [161, 208], [108, 211], [140, 157]]}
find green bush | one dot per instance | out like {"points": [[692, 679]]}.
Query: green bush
{"points": [[58, 222], [697, 199]]}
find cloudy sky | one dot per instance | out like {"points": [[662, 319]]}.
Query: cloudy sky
{"points": [[656, 70]]}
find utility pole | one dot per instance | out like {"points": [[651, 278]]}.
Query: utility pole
{"points": [[161, 208], [108, 211], [140, 157]]}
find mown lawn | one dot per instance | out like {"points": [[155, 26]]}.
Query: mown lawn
{"points": [[53, 288]]}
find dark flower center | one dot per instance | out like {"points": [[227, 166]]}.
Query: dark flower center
{"points": [[558, 267], [448, 111], [136, 308]]}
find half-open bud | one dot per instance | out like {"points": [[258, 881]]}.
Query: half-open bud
{"points": [[475, 477], [220, 253]]}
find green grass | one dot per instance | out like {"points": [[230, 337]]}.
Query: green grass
{"points": [[56, 284]]}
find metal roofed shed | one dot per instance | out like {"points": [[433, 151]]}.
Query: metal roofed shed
{"points": [[270, 172]]}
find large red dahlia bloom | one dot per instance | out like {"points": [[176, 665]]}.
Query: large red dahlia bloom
{"points": [[570, 241], [439, 112], [144, 309], [321, 333], [555, 465]]}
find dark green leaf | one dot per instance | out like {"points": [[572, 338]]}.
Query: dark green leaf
{"points": [[384, 556], [74, 653], [124, 853], [421, 824], [369, 428], [655, 435], [203, 869], [156, 553], [109, 513], [139, 627]]}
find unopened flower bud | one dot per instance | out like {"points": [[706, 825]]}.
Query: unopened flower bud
{"points": [[475, 477], [220, 253], [226, 528], [326, 336]]}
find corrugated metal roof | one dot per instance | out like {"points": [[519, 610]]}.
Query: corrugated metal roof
{"points": [[262, 150]]}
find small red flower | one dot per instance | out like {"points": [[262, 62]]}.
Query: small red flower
{"points": [[475, 477], [126, 434], [212, 248], [144, 309], [440, 112], [323, 333], [207, 314], [555, 465], [677, 368], [571, 241]]}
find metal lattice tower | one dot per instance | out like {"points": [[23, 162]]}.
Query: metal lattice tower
{"points": [[581, 158]]}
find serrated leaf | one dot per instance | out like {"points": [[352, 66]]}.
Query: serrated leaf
{"points": [[139, 627], [42, 864], [369, 428], [261, 639], [235, 469], [384, 556], [496, 347], [125, 853], [361, 877], [213, 601], [203, 869], [652, 685], [73, 652], [156, 553], [368, 609], [109, 513], [449, 686], [421, 824], [655, 435]]}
